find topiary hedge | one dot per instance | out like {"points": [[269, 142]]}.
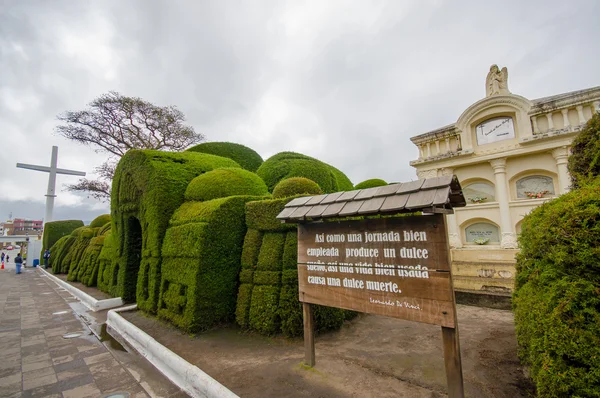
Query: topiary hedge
{"points": [[100, 221], [201, 262], [267, 298], [557, 295], [221, 183], [58, 252], [88, 271], [244, 156], [54, 230], [108, 267], [584, 162], [372, 183], [290, 164], [84, 236], [296, 186], [147, 188]]}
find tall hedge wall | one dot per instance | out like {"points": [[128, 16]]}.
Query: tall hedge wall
{"points": [[54, 230], [58, 253], [84, 236], [244, 156], [557, 296], [290, 164], [108, 270], [147, 188], [267, 298], [201, 262], [88, 270]]}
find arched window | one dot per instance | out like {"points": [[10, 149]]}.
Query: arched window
{"points": [[479, 192], [536, 186], [482, 230]]}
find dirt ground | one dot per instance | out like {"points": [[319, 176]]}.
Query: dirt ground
{"points": [[92, 291], [371, 356]]}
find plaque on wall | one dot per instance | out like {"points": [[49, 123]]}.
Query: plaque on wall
{"points": [[482, 230], [533, 185], [494, 130]]}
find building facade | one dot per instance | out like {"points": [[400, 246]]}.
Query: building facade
{"points": [[510, 155]]}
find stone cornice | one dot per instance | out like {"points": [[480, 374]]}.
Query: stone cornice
{"points": [[566, 100], [441, 157], [438, 134]]}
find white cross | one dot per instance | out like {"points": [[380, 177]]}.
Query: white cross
{"points": [[53, 170]]}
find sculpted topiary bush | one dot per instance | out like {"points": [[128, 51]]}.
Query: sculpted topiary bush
{"points": [[201, 262], [147, 188], [290, 164], [84, 236], [267, 298], [54, 230], [221, 183], [244, 156], [557, 296], [296, 186], [108, 268], [100, 221], [584, 162], [88, 272], [59, 250], [372, 183]]}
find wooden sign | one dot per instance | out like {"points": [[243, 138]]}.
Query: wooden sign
{"points": [[396, 267]]}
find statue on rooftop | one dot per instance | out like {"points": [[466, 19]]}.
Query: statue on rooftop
{"points": [[496, 82]]}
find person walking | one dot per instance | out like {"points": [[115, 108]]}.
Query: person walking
{"points": [[2, 257], [18, 262], [46, 258], [7, 258]]}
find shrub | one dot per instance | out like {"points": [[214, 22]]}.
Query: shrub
{"points": [[221, 183], [59, 250], [557, 296], [54, 230], [84, 236], [296, 186], [268, 294], [201, 262], [108, 268], [584, 162], [372, 183], [88, 272], [289, 164], [100, 221], [147, 188], [244, 156]]}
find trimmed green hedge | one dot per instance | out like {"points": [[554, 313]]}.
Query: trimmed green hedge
{"points": [[147, 188], [267, 298], [58, 252], [221, 183], [296, 186], [201, 262], [584, 162], [100, 221], [84, 236], [290, 164], [372, 183], [244, 156], [557, 295], [54, 230], [88, 272], [108, 268]]}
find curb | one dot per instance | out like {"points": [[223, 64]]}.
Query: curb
{"points": [[86, 299], [183, 374]]}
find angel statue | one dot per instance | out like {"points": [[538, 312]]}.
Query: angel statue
{"points": [[496, 81]]}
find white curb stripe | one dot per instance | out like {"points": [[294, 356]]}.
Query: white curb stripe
{"points": [[183, 374], [86, 299]]}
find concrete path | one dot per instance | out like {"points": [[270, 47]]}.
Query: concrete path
{"points": [[48, 350]]}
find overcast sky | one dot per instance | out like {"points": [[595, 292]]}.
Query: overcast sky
{"points": [[348, 82]]}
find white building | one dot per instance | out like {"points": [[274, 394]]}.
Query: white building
{"points": [[510, 155]]}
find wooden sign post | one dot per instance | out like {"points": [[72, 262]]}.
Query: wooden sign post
{"points": [[397, 267]]}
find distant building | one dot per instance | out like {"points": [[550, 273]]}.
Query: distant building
{"points": [[510, 155], [22, 226]]}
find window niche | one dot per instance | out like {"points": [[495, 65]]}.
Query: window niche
{"points": [[480, 231], [479, 192], [534, 187]]}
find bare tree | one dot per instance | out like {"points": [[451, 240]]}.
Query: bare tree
{"points": [[115, 124]]}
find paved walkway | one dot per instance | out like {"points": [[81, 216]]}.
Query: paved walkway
{"points": [[47, 351]]}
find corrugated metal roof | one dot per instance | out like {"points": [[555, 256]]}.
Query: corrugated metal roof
{"points": [[439, 194]]}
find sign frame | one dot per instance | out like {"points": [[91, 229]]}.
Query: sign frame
{"points": [[325, 290]]}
